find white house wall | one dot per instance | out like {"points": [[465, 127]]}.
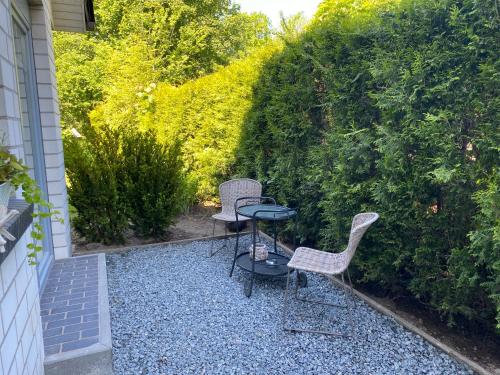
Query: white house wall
{"points": [[10, 122], [51, 129], [21, 345]]}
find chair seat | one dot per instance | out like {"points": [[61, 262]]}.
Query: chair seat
{"points": [[307, 259], [229, 217]]}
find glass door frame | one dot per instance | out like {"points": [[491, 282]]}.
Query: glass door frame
{"points": [[45, 263]]}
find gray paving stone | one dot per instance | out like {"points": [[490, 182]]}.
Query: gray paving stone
{"points": [[53, 305], [79, 344], [90, 318], [93, 299], [72, 295], [62, 288], [55, 294], [90, 332], [52, 349], [82, 290], [46, 300], [52, 332], [65, 297], [82, 312], [81, 327], [67, 308], [60, 339], [53, 317], [64, 322]]}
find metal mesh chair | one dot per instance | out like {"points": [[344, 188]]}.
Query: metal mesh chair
{"points": [[229, 191], [328, 264]]}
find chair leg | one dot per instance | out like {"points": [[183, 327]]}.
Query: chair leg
{"points": [[285, 302], [236, 245], [331, 333], [349, 278], [226, 240], [317, 302], [348, 302], [210, 251]]}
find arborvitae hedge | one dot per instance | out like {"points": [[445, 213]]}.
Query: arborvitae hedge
{"points": [[391, 108]]}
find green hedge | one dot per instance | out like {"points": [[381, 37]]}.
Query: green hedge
{"points": [[205, 116], [391, 107]]}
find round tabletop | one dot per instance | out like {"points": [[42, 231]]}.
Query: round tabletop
{"points": [[266, 212]]}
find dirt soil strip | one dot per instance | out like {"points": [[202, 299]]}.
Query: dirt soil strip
{"points": [[165, 243], [476, 367]]}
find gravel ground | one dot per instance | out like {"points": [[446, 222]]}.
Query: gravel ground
{"points": [[174, 311]]}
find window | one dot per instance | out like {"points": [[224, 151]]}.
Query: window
{"points": [[29, 117]]}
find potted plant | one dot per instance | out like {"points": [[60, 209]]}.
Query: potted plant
{"points": [[9, 168], [14, 175]]}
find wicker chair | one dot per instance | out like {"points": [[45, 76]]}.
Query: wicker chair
{"points": [[229, 191], [328, 264]]}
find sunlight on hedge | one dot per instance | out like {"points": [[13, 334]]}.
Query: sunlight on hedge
{"points": [[206, 115]]}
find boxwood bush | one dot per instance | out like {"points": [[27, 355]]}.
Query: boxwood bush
{"points": [[120, 179]]}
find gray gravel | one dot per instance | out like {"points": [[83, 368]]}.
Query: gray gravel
{"points": [[174, 311]]}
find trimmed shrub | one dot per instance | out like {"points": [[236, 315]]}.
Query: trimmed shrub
{"points": [[152, 182], [117, 178], [93, 164]]}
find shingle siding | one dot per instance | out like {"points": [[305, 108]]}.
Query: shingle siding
{"points": [[68, 15]]}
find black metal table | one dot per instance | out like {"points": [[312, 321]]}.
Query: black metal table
{"points": [[257, 209]]}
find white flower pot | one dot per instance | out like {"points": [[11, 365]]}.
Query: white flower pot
{"points": [[5, 192]]}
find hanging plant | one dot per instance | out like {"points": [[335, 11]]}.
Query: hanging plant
{"points": [[14, 175]]}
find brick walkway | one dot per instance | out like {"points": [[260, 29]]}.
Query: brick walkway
{"points": [[69, 305]]}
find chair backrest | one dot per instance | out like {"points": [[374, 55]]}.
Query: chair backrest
{"points": [[360, 223], [231, 190]]}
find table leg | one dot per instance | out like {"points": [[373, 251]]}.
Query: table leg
{"points": [[235, 246], [248, 292], [295, 233], [275, 235]]}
